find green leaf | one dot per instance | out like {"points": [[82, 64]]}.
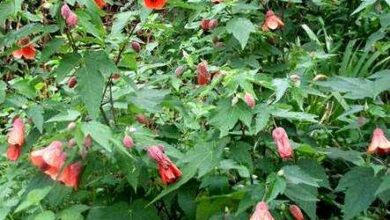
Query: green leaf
{"points": [[51, 48], [275, 186], [99, 61], [33, 198], [69, 115], [350, 155], [315, 170], [241, 29], [99, 132], [281, 86], [3, 88], [73, 213], [231, 164], [149, 99], [45, 215], [305, 196], [358, 197], [385, 185], [225, 116], [68, 63], [253, 195], [295, 175], [311, 34], [363, 5], [300, 116], [90, 86], [261, 119], [356, 88], [36, 114]]}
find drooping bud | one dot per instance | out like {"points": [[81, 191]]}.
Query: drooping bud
{"points": [[296, 212], [203, 73], [72, 20], [72, 82], [71, 126], [179, 70], [249, 100], [88, 141], [136, 46], [71, 143], [15, 139], [128, 141], [281, 140], [213, 23]]}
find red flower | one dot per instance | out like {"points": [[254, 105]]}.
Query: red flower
{"points": [[100, 3], [128, 141], [272, 21], [216, 1], [203, 73], [154, 4], [281, 140], [296, 212], [168, 171], [249, 100], [15, 139], [207, 24], [261, 212], [51, 160], [27, 50], [70, 175], [379, 143]]}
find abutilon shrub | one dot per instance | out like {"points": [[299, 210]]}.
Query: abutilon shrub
{"points": [[202, 109]]}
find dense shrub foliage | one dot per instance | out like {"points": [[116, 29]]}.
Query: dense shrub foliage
{"points": [[194, 109]]}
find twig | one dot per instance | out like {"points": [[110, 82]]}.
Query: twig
{"points": [[110, 83]]}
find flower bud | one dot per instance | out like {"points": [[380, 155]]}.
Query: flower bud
{"points": [[213, 23], [249, 100], [136, 46], [71, 143], [72, 82], [71, 126], [128, 141], [296, 212], [65, 11], [87, 141], [179, 70], [72, 20]]}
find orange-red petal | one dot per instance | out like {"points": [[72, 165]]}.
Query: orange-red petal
{"points": [[155, 4]]}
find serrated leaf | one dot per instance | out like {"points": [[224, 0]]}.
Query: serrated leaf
{"points": [[295, 175], [300, 116], [90, 87], [99, 61], [305, 196], [69, 115], [68, 63], [3, 88], [99, 132], [241, 29], [225, 116], [51, 48], [33, 198], [149, 99], [280, 86], [45, 215], [315, 170], [358, 197], [36, 114]]}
